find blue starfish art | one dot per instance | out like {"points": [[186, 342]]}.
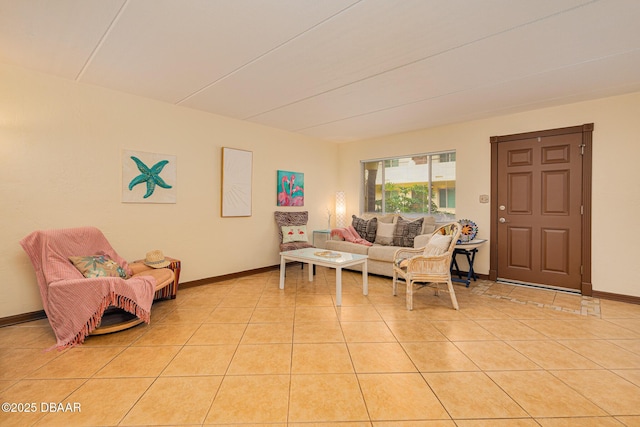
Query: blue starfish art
{"points": [[150, 176]]}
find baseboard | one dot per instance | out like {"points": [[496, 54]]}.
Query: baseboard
{"points": [[616, 297], [22, 318], [224, 277]]}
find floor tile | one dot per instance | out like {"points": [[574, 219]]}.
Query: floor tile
{"points": [[463, 330], [250, 399], [317, 332], [167, 334], [16, 363], [510, 329], [400, 397], [367, 332], [605, 353], [604, 388], [35, 392], [139, 362], [258, 359], [468, 395], [174, 400], [581, 421], [543, 395], [79, 362], [380, 357], [263, 333], [100, 402], [201, 360], [230, 315], [410, 330], [495, 356], [552, 355], [327, 397], [438, 357], [212, 333], [324, 358]]}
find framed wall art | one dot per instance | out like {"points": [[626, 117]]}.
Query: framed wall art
{"points": [[148, 177], [290, 188], [237, 171]]}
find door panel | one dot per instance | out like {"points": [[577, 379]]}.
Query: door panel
{"points": [[539, 182]]}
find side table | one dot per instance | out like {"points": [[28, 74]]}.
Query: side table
{"points": [[469, 250], [170, 291], [320, 238]]}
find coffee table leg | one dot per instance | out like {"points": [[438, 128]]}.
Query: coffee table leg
{"points": [[338, 286], [282, 267], [310, 272], [365, 279]]}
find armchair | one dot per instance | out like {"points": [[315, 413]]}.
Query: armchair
{"points": [[429, 265], [75, 304]]}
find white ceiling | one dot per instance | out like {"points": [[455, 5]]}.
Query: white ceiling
{"points": [[339, 70]]}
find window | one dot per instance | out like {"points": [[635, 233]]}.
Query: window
{"points": [[421, 184]]}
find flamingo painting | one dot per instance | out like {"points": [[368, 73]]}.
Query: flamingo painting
{"points": [[290, 188]]}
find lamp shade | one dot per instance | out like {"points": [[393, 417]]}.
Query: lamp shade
{"points": [[341, 209]]}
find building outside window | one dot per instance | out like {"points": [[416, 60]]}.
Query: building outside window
{"points": [[420, 184]]}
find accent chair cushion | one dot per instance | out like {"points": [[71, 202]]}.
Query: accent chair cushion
{"points": [[438, 244], [98, 266], [294, 233]]}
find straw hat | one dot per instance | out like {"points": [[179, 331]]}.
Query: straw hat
{"points": [[156, 259]]}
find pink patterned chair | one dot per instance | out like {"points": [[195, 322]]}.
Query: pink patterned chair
{"points": [[75, 304], [288, 219]]}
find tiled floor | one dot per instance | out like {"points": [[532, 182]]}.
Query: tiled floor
{"points": [[244, 352]]}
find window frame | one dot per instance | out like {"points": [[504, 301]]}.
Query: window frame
{"points": [[450, 154]]}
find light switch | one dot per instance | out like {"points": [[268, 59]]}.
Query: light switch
{"points": [[484, 198]]}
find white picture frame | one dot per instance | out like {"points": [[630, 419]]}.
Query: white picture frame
{"points": [[237, 175]]}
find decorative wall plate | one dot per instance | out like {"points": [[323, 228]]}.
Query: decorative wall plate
{"points": [[469, 230]]}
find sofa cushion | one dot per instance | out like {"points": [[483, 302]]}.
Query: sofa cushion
{"points": [[429, 225], [344, 246], [406, 231], [384, 234], [365, 228], [382, 253]]}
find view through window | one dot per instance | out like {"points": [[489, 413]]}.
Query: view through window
{"points": [[420, 184]]}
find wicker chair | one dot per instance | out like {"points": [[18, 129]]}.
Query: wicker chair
{"points": [[422, 265]]}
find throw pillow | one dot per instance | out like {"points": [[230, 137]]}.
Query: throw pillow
{"points": [[294, 233], [438, 244], [98, 266], [384, 234], [366, 229], [406, 231]]}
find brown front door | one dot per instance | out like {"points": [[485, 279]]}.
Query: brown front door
{"points": [[538, 218]]}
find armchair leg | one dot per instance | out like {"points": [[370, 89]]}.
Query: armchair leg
{"points": [[395, 283], [409, 294], [452, 294]]}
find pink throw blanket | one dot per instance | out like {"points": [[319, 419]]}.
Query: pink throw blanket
{"points": [[74, 304], [350, 235]]}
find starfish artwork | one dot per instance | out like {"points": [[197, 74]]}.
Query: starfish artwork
{"points": [[149, 175]]}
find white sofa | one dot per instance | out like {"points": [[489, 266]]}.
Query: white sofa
{"points": [[381, 256]]}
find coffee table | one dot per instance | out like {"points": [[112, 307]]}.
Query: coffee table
{"points": [[331, 259]]}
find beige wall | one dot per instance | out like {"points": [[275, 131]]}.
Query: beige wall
{"points": [[60, 166], [616, 198]]}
